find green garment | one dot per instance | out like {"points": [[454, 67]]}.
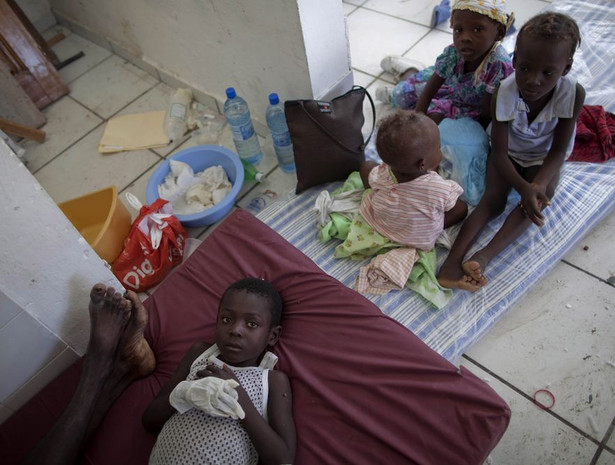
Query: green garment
{"points": [[361, 241]]}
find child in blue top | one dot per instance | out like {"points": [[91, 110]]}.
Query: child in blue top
{"points": [[534, 119], [466, 74]]}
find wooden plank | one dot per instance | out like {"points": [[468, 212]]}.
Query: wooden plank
{"points": [[42, 44], [11, 127], [16, 35], [55, 39]]}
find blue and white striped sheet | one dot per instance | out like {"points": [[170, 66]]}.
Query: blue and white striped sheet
{"points": [[585, 196]]}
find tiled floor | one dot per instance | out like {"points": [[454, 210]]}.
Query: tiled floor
{"points": [[558, 338]]}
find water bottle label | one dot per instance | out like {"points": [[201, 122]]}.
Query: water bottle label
{"points": [[243, 132], [178, 110], [281, 139]]}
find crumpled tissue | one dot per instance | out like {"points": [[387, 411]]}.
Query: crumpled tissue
{"points": [[215, 396], [191, 193]]}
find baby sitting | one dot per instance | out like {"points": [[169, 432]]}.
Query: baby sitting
{"points": [[406, 204]]}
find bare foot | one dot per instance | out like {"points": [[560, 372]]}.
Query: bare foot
{"points": [[454, 277], [109, 314], [474, 268], [134, 351]]}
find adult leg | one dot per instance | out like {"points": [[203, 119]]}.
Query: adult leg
{"points": [[117, 354], [492, 204], [513, 227]]}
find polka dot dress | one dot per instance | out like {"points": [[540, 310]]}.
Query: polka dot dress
{"points": [[195, 437]]}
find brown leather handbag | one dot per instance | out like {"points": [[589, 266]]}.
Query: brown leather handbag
{"points": [[327, 140]]}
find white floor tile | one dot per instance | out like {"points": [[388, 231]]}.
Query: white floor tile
{"points": [[70, 46], [606, 458], [430, 47], [67, 121], [111, 86], [418, 11], [597, 259], [560, 337], [362, 79], [81, 169], [374, 35], [347, 8], [533, 436]]}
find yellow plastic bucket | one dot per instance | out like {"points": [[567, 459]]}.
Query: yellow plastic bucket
{"points": [[102, 219]]}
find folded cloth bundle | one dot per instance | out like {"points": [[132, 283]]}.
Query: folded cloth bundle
{"points": [[595, 136], [386, 272], [215, 396]]}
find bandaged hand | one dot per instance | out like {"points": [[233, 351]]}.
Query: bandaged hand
{"points": [[215, 396]]}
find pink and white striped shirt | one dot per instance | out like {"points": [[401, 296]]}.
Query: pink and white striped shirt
{"points": [[410, 213]]}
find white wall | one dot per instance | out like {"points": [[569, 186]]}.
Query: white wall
{"points": [[297, 48], [46, 272]]}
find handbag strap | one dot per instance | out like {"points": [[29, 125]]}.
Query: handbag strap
{"points": [[371, 133], [332, 136]]}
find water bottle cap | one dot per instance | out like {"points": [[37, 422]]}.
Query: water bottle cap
{"points": [[274, 99], [230, 92]]}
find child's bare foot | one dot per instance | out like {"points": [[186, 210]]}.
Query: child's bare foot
{"points": [[474, 268], [454, 277], [109, 314], [134, 349]]}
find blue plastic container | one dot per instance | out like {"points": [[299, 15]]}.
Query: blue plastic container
{"points": [[200, 158]]}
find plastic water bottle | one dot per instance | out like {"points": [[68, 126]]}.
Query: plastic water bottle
{"points": [[175, 117], [250, 172], [279, 134], [237, 114]]}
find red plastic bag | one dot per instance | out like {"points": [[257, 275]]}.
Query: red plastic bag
{"points": [[155, 244]]}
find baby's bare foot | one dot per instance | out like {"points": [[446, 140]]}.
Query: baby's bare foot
{"points": [[109, 314], [134, 352]]}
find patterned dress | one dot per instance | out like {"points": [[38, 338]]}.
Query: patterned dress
{"points": [[195, 437], [461, 93]]}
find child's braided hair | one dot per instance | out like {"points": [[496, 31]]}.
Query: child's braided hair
{"points": [[553, 26]]}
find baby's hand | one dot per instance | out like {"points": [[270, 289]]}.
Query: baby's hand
{"points": [[212, 370]]}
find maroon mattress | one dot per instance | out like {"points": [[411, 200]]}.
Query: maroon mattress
{"points": [[365, 389]]}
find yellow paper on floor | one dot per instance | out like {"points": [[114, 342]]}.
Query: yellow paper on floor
{"points": [[137, 131]]}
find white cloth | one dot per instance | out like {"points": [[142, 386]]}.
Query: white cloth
{"points": [[529, 143], [192, 193], [215, 396], [345, 203]]}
